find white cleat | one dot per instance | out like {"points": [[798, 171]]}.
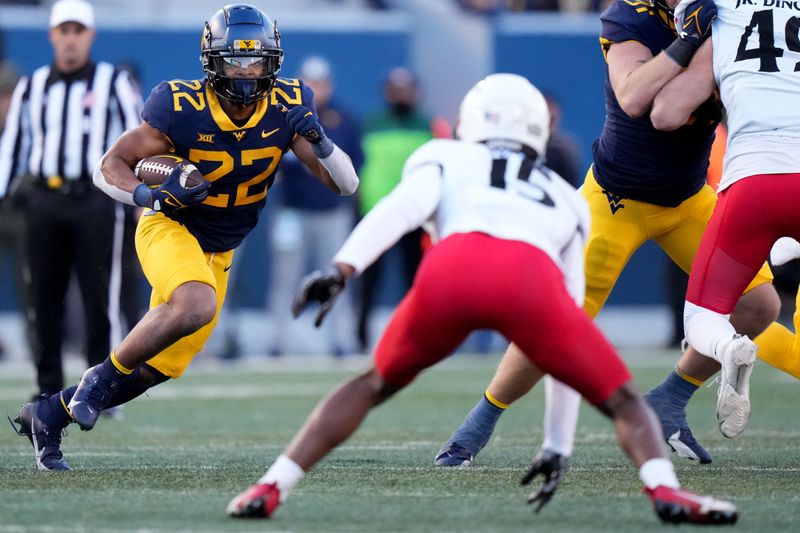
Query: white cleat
{"points": [[733, 397]]}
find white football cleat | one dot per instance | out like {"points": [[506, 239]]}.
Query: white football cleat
{"points": [[733, 396]]}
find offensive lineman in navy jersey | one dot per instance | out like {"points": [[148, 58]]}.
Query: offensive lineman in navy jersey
{"points": [[234, 126], [644, 184]]}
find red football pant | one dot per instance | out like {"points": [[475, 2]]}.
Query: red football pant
{"points": [[474, 281], [749, 217]]}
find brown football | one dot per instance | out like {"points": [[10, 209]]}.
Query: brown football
{"points": [[154, 170]]}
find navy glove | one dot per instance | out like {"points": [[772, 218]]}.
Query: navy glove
{"points": [[171, 195], [693, 19], [303, 122], [321, 286], [552, 466]]}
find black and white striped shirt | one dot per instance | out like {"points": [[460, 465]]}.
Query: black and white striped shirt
{"points": [[60, 125]]}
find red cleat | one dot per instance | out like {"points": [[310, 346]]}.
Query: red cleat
{"points": [[675, 506], [258, 501]]}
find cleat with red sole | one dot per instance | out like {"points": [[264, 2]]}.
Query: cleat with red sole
{"points": [[676, 506], [258, 501]]}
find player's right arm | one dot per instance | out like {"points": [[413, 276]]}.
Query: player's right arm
{"points": [[13, 160], [675, 103], [114, 174], [407, 207], [636, 75]]}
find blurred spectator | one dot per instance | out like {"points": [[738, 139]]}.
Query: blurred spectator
{"points": [[370, 4], [312, 222], [483, 6], [390, 136], [563, 154], [533, 5], [491, 7]]}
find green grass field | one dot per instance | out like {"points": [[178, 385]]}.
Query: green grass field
{"points": [[181, 453]]}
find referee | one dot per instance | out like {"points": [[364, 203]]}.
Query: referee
{"points": [[61, 120]]}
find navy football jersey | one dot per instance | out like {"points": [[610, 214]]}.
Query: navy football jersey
{"points": [[631, 158], [239, 160]]}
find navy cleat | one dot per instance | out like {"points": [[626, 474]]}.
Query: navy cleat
{"points": [[93, 394], [453, 454], [45, 438], [676, 429]]}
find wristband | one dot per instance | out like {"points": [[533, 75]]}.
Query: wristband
{"points": [[681, 51], [142, 196]]}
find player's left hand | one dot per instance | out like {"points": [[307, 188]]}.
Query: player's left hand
{"points": [[552, 466], [321, 286], [693, 19], [304, 123]]}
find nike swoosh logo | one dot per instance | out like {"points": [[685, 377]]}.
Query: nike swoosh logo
{"points": [[265, 134], [227, 268], [39, 452]]}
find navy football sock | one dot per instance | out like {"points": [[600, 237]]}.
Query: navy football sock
{"points": [[674, 391], [56, 415], [477, 428], [135, 384], [108, 370]]}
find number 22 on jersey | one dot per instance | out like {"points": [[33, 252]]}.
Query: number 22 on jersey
{"points": [[248, 192]]}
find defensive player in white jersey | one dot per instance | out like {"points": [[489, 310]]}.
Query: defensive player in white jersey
{"points": [[509, 257], [753, 58]]}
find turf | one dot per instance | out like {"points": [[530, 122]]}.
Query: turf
{"points": [[181, 453]]}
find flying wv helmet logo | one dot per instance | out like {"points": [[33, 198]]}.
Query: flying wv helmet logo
{"points": [[240, 45], [239, 135], [614, 202]]}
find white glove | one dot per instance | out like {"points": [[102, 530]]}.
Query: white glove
{"points": [[784, 250]]}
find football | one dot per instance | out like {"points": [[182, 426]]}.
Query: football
{"points": [[154, 170]]}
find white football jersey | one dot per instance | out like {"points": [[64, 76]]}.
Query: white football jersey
{"points": [[459, 187], [489, 190], [757, 68]]}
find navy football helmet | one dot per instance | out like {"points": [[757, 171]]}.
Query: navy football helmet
{"points": [[241, 53]]}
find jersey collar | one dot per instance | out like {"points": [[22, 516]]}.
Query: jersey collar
{"points": [[223, 120]]}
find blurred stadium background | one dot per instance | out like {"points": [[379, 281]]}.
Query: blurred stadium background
{"points": [[449, 44], [181, 453]]}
